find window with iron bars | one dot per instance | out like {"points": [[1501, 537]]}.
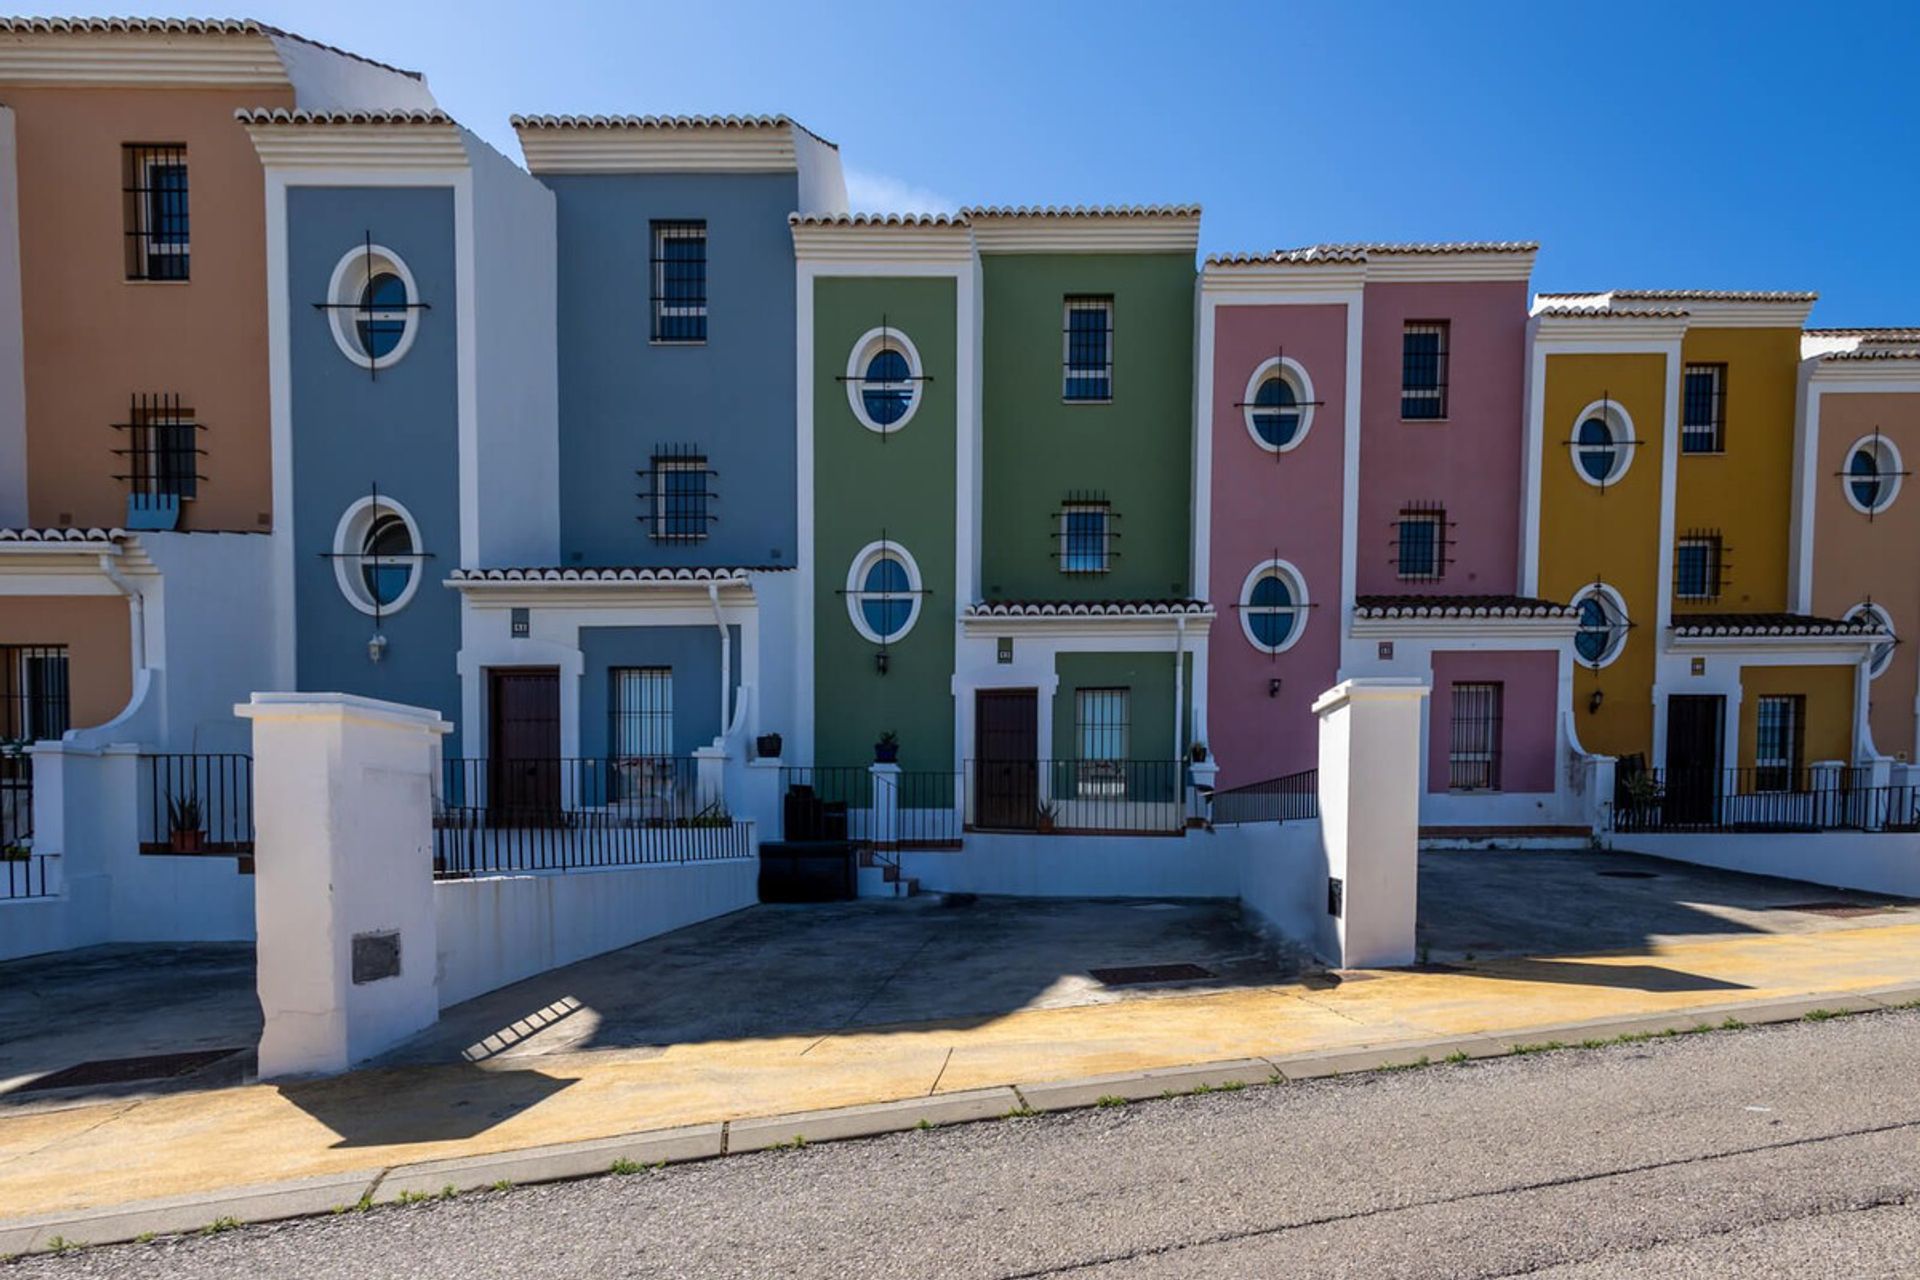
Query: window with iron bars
{"points": [[1085, 536], [1420, 543], [681, 495], [1100, 718], [1087, 349], [1473, 755], [680, 281], [1779, 741], [163, 448], [1703, 418], [1423, 369], [154, 197], [641, 703], [33, 692], [1699, 564]]}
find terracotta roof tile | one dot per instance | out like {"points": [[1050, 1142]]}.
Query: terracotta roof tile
{"points": [[1685, 295], [62, 535], [1463, 606], [181, 26], [1771, 624], [281, 115], [1086, 608], [876, 220], [979, 212], [663, 122], [630, 573]]}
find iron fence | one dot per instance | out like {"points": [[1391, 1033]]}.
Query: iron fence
{"points": [[1086, 797], [197, 803], [1292, 798], [1761, 799], [512, 815], [840, 802], [25, 875], [16, 798]]}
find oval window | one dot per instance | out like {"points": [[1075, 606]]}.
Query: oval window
{"points": [[1278, 405], [884, 379], [1273, 601], [883, 592], [1873, 474]]}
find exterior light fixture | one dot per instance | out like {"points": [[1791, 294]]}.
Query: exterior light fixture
{"points": [[1273, 687], [880, 662], [376, 647], [1593, 703]]}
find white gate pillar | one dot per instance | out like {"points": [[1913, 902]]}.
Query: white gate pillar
{"points": [[343, 880], [1370, 755]]}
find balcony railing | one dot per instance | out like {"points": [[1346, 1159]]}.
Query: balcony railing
{"points": [[1761, 799], [197, 804], [501, 816], [27, 875], [844, 802], [16, 798], [1294, 797], [1106, 797]]}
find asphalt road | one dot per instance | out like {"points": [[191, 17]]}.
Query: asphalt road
{"points": [[1785, 1151]]}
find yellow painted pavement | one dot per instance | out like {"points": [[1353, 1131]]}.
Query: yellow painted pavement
{"points": [[118, 1152]]}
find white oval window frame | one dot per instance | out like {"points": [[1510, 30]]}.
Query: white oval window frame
{"points": [[349, 536], [1293, 371], [869, 345], [350, 276], [855, 593], [1624, 620], [1889, 474], [1621, 423], [1296, 580], [1886, 620]]}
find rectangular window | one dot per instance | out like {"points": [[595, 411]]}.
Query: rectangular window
{"points": [[642, 703], [1779, 742], [154, 187], [1088, 344], [1421, 544], [1473, 758], [33, 692], [1083, 538], [1423, 369], [1703, 421], [680, 496], [1696, 568], [680, 282], [1100, 728], [162, 449]]}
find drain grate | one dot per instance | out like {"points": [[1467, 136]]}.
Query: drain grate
{"points": [[158, 1066], [1629, 875], [1837, 910], [1139, 974]]}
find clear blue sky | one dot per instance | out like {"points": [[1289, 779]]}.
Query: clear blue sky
{"points": [[1675, 144]]}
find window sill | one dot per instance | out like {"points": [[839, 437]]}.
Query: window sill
{"points": [[188, 280], [1084, 400], [676, 342], [1703, 453], [1424, 422]]}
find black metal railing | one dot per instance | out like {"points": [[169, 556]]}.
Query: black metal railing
{"points": [[1108, 797], [16, 798], [1760, 799], [840, 802], [511, 815], [197, 803], [25, 875], [1294, 797]]}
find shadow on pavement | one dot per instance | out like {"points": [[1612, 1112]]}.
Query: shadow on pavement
{"points": [[439, 1104]]}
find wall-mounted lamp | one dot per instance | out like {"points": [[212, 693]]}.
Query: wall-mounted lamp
{"points": [[1593, 703], [376, 647], [1273, 687], [880, 662]]}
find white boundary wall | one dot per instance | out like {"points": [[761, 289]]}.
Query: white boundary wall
{"points": [[1876, 861], [501, 929], [1194, 865]]}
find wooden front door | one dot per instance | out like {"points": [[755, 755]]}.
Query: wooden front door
{"points": [[524, 744], [1006, 729], [1696, 725]]}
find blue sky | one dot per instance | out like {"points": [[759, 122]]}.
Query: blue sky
{"points": [[1678, 144]]}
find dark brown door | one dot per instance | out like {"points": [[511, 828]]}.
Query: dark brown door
{"points": [[524, 746], [1695, 729], [1006, 773]]}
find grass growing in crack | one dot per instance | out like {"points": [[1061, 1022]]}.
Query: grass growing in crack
{"points": [[1457, 1057], [62, 1245], [794, 1143], [1021, 1112], [1733, 1024], [219, 1225], [1822, 1015], [1545, 1046], [505, 1184], [447, 1192], [1111, 1100], [924, 1124], [1415, 1065], [145, 1237]]}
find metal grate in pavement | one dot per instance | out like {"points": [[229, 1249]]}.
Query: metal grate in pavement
{"points": [[1140, 974], [156, 1066]]}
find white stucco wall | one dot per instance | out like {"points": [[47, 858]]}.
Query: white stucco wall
{"points": [[498, 930], [1876, 861], [13, 375], [1193, 865], [1283, 881]]}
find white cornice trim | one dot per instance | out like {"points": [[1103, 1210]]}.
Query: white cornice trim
{"points": [[1132, 233], [1280, 280], [1608, 332], [1466, 628], [946, 245], [369, 146], [1866, 375], [617, 146], [192, 60], [1087, 626], [1450, 266]]}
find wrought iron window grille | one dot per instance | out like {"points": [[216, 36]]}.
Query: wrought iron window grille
{"points": [[1422, 542], [679, 494], [1423, 370], [1701, 565], [162, 448], [1703, 417], [1084, 533], [1086, 343], [154, 196], [679, 270], [34, 700], [1473, 756], [370, 316], [640, 713], [1880, 478]]}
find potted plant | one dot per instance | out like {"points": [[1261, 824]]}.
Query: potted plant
{"points": [[1043, 817], [1198, 752], [186, 829], [887, 749], [767, 746]]}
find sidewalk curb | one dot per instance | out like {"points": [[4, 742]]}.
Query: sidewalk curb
{"points": [[304, 1197]]}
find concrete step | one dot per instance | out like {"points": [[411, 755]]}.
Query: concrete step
{"points": [[873, 882]]}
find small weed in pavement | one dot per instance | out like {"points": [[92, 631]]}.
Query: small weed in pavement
{"points": [[1457, 1057], [505, 1184], [219, 1225], [1113, 1100], [924, 1124], [1545, 1046], [1415, 1065], [60, 1244], [1822, 1015], [1022, 1112], [1733, 1024], [798, 1141]]}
